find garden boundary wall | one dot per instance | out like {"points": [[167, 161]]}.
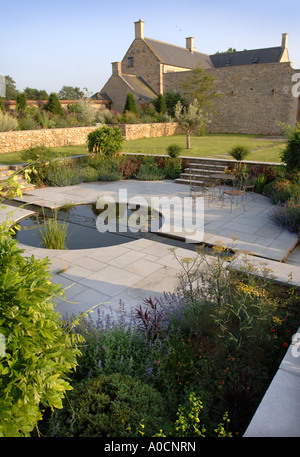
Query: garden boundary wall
{"points": [[23, 139]]}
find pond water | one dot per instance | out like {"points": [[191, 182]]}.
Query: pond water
{"points": [[126, 225]]}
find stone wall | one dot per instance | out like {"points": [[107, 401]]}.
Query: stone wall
{"points": [[255, 97], [23, 139], [145, 64]]}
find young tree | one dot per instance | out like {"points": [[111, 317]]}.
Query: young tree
{"points": [[201, 86], [53, 105], [191, 119], [130, 104], [11, 91]]}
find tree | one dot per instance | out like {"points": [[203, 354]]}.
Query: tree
{"points": [[70, 93], [21, 102], [130, 104], [35, 94], [191, 119], [201, 87], [160, 104], [53, 105], [11, 90]]}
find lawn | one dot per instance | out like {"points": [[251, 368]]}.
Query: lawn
{"points": [[211, 145]]}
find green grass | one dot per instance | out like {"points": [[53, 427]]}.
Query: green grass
{"points": [[211, 145]]}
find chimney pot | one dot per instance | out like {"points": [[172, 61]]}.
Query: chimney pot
{"points": [[116, 68], [190, 44], [284, 41], [139, 29]]}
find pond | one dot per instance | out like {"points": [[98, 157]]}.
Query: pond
{"points": [[84, 221]]}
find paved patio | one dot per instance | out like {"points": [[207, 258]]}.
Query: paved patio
{"points": [[146, 267]]}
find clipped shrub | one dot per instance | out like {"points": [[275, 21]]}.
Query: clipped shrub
{"points": [[160, 104], [174, 150], [130, 104], [21, 102], [239, 153], [7, 122], [53, 105], [107, 140], [110, 406]]}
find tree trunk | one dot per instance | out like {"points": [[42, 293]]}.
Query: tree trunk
{"points": [[188, 140]]}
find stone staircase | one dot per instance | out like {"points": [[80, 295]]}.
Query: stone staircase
{"points": [[7, 170], [197, 169]]}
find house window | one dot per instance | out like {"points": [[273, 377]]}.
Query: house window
{"points": [[130, 61]]}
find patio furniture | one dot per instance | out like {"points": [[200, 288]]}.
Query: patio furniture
{"points": [[236, 195]]}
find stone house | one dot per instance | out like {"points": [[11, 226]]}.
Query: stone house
{"points": [[256, 84]]}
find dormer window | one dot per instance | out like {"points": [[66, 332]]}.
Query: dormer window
{"points": [[130, 61]]}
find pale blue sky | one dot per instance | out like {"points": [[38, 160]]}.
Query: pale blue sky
{"points": [[64, 42]]}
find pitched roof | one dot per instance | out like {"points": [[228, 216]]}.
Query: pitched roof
{"points": [[266, 55], [139, 87], [170, 54]]}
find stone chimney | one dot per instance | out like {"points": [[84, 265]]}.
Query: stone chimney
{"points": [[139, 29], [190, 44], [284, 41], [116, 68]]}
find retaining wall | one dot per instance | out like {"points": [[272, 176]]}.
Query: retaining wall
{"points": [[23, 139]]}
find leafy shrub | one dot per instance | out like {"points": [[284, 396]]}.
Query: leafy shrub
{"points": [[38, 158], [28, 123], [128, 166], [291, 154], [239, 153], [53, 105], [107, 140], [7, 122], [110, 406], [89, 174], [160, 104], [174, 150], [173, 167], [39, 353], [64, 174], [105, 116], [287, 215], [150, 170], [130, 104]]}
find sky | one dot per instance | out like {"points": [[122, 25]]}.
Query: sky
{"points": [[48, 45]]}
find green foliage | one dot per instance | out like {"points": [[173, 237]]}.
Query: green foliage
{"points": [[35, 94], [110, 405], [171, 99], [173, 167], [160, 104], [2, 108], [61, 174], [11, 91], [150, 170], [54, 234], [7, 122], [53, 105], [39, 353], [191, 119], [239, 152], [70, 93], [21, 102], [291, 154], [174, 150], [130, 104], [107, 140]]}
